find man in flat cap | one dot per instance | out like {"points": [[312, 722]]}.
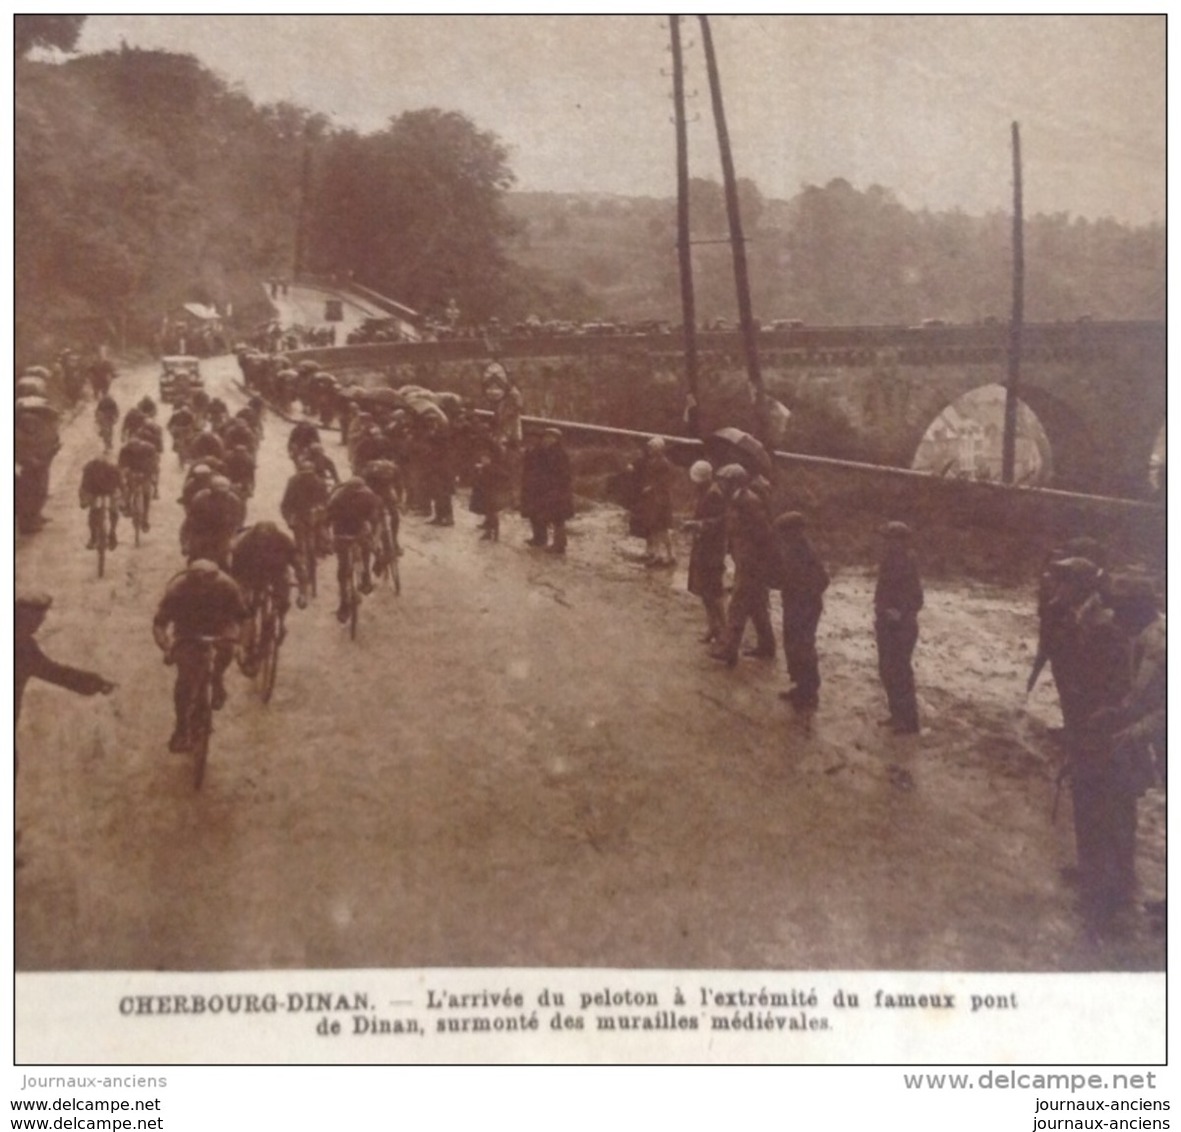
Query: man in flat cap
{"points": [[897, 599], [30, 662], [802, 585]]}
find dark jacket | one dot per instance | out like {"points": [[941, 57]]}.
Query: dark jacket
{"points": [[707, 558], [547, 485]]}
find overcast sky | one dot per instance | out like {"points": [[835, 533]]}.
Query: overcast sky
{"points": [[919, 104]]}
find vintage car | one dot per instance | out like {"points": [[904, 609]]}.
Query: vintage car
{"points": [[180, 375]]}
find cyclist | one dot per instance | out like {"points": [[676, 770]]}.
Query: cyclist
{"points": [[354, 516], [240, 468], [373, 445], [384, 479], [138, 461], [100, 480], [195, 482], [219, 413], [147, 406], [154, 435], [211, 520], [237, 432], [302, 437], [201, 601], [303, 505], [181, 426], [263, 557], [106, 414], [133, 421], [206, 444], [323, 464]]}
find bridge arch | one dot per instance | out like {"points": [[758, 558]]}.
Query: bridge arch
{"points": [[1059, 448], [965, 440]]}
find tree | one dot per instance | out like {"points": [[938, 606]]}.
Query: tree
{"points": [[416, 210], [45, 31]]}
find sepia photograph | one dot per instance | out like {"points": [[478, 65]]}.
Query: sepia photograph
{"points": [[598, 495]]}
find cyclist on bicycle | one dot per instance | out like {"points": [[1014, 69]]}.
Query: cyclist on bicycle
{"points": [[211, 520], [373, 445], [206, 444], [384, 479], [138, 461], [303, 505], [240, 468], [354, 516], [196, 482], [181, 427], [100, 480], [106, 414], [263, 557], [302, 437], [201, 601], [133, 421], [151, 432], [219, 413], [237, 433], [323, 464], [252, 419]]}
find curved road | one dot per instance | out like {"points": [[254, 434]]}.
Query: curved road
{"points": [[530, 761]]}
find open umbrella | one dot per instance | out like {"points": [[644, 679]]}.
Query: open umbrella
{"points": [[382, 396], [733, 446]]}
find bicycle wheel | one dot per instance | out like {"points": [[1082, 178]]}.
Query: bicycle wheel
{"points": [[268, 656], [354, 592], [200, 728]]}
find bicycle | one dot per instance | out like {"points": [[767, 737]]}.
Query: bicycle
{"points": [[106, 430], [354, 576], [139, 485], [267, 632], [200, 708], [100, 529], [306, 549], [389, 555]]}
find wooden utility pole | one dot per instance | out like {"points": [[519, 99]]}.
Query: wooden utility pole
{"points": [[305, 189], [1013, 385], [684, 251], [750, 339]]}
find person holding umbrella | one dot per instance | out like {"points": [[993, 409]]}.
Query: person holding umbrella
{"points": [[752, 547]]}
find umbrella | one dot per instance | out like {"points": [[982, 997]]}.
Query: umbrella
{"points": [[383, 396], [733, 446]]}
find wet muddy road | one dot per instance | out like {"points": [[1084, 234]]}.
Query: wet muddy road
{"points": [[531, 761]]}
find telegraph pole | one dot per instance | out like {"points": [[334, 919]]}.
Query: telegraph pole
{"points": [[1013, 385], [737, 241], [305, 188], [684, 251]]}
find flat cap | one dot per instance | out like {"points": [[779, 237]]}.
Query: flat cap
{"points": [[33, 599], [1081, 570], [790, 521], [895, 529]]}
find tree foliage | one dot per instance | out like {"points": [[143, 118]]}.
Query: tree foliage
{"points": [[415, 210], [45, 31], [835, 254]]}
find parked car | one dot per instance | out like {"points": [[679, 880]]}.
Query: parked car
{"points": [[180, 375]]}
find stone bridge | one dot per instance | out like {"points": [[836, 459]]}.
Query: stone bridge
{"points": [[1098, 388]]}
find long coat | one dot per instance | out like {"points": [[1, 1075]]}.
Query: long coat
{"points": [[547, 485], [707, 558]]}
